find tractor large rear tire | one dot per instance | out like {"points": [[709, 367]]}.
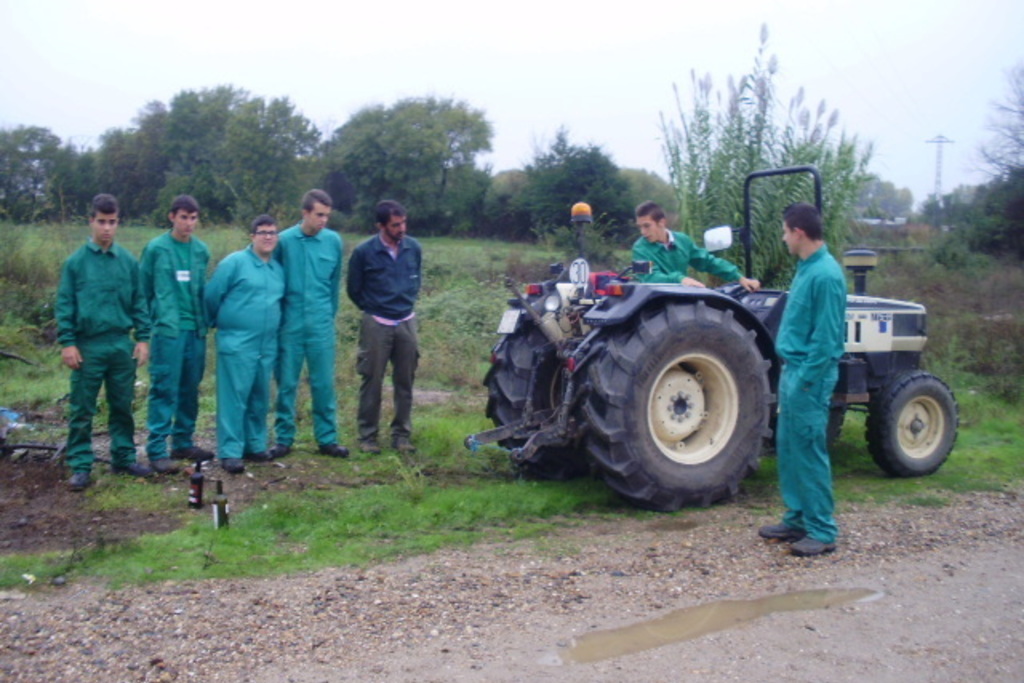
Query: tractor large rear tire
{"points": [[912, 424], [678, 407], [518, 356], [836, 417]]}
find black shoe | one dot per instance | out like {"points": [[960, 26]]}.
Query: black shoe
{"points": [[279, 451], [369, 446], [333, 450], [808, 547], [193, 453], [232, 465], [262, 456], [781, 532], [164, 465], [402, 444], [136, 469], [79, 481]]}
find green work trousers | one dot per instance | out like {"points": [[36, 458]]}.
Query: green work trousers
{"points": [[106, 361], [805, 472], [318, 356], [176, 367], [243, 400], [379, 344]]}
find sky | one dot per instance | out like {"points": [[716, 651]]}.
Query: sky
{"points": [[899, 73]]}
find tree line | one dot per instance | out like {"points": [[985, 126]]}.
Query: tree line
{"points": [[242, 155]]}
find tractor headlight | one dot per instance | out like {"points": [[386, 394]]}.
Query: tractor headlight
{"points": [[552, 303]]}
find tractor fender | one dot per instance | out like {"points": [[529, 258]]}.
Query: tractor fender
{"points": [[614, 311]]}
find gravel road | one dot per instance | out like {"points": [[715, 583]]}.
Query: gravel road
{"points": [[948, 585]]}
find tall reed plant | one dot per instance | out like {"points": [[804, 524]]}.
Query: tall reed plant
{"points": [[713, 146]]}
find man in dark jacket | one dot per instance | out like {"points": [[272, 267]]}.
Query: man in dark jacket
{"points": [[384, 277]]}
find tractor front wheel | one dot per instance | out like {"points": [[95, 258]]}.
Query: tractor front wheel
{"points": [[912, 424]]}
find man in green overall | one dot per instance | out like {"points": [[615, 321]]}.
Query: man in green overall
{"points": [[311, 257], [243, 301], [173, 276], [99, 305], [674, 253], [810, 343]]}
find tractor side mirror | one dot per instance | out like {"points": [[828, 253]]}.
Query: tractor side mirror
{"points": [[717, 239]]}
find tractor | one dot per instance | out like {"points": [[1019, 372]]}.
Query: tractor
{"points": [[667, 392]]}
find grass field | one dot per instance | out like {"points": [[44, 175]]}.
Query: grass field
{"points": [[391, 506]]}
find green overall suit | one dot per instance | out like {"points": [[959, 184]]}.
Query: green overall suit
{"points": [[99, 305], [810, 343], [173, 277], [312, 274], [243, 301], [672, 262]]}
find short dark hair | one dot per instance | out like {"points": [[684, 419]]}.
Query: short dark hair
{"points": [[316, 197], [806, 217], [652, 209], [387, 209], [184, 202], [104, 203], [260, 221]]}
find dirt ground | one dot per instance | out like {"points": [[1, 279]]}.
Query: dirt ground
{"points": [[38, 512], [946, 588]]}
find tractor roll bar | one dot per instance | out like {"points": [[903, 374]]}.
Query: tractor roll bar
{"points": [[746, 235]]}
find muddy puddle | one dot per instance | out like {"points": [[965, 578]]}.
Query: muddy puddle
{"points": [[693, 622]]}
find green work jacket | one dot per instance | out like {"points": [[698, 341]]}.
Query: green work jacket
{"points": [[312, 276], [671, 263], [243, 301], [160, 283], [812, 335], [100, 295]]}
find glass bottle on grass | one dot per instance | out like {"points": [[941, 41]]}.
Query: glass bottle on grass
{"points": [[195, 487], [221, 510]]}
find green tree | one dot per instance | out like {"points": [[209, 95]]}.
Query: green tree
{"points": [[73, 183], [647, 186], [881, 199], [565, 174], [132, 164], [505, 213], [194, 147], [721, 139], [420, 151], [996, 212], [998, 226], [263, 146], [27, 158]]}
